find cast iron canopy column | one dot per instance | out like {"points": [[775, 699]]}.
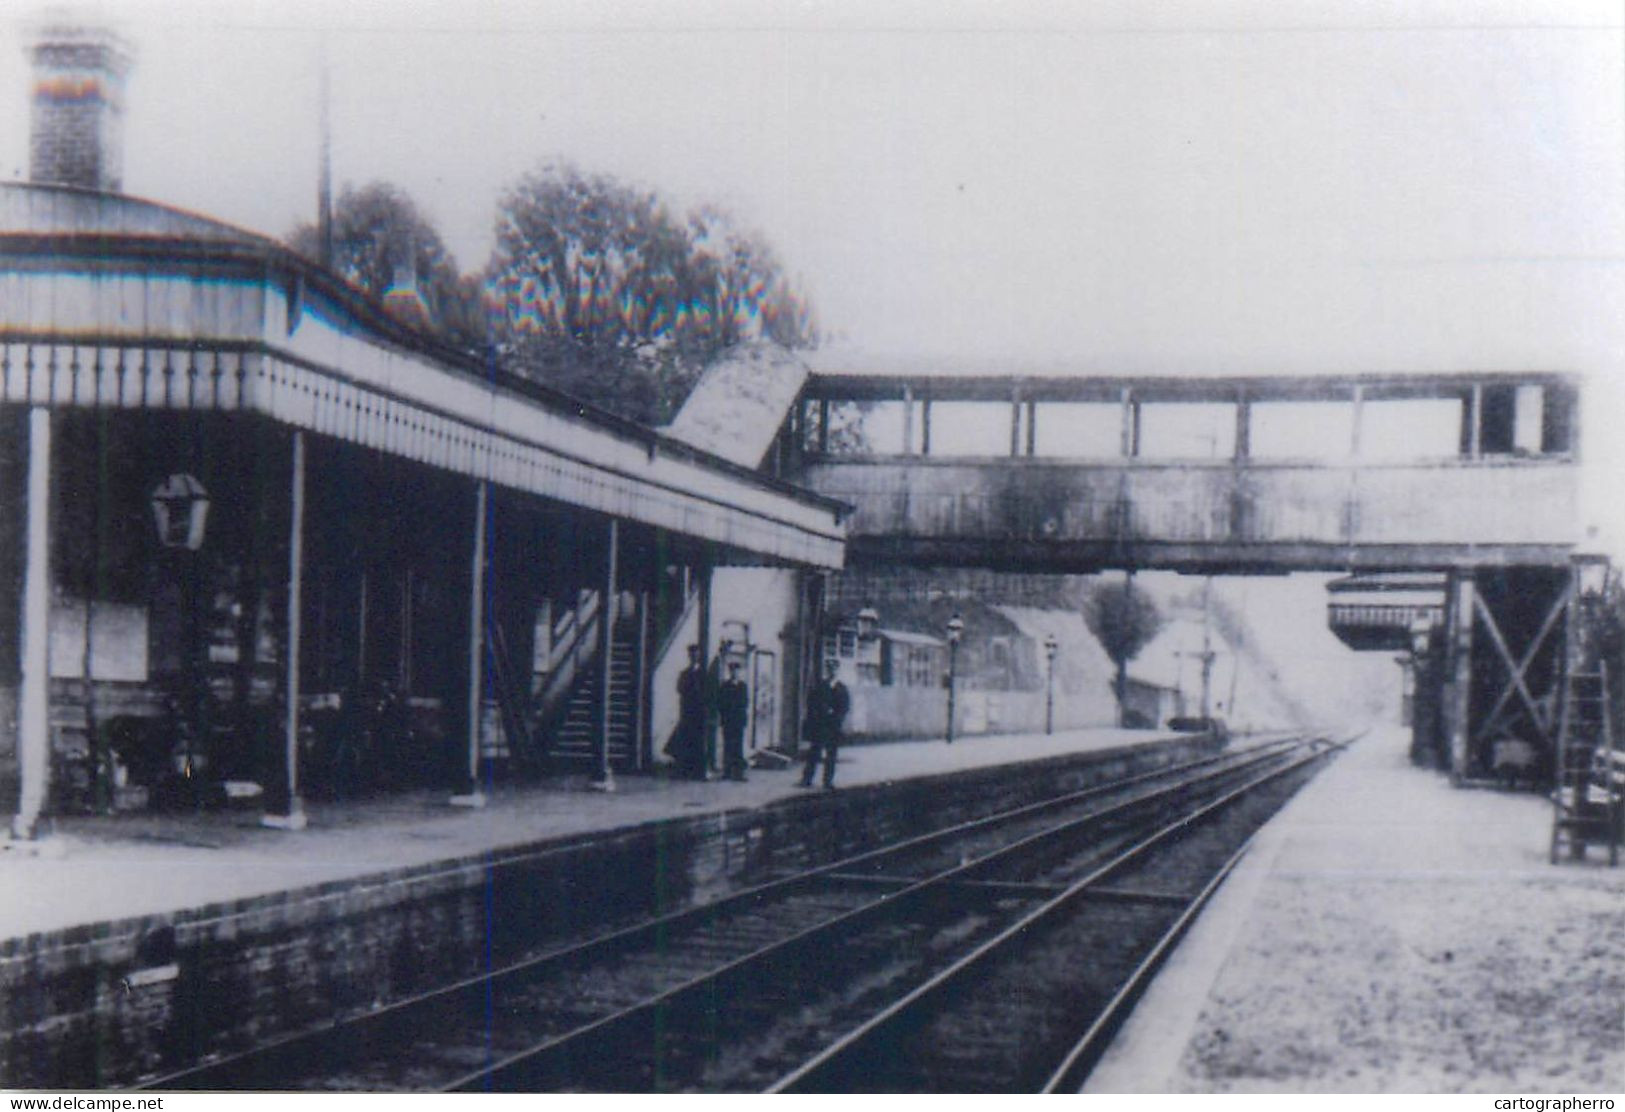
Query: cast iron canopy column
{"points": [[471, 796], [293, 817], [33, 734]]}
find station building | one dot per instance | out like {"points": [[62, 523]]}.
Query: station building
{"points": [[266, 538]]}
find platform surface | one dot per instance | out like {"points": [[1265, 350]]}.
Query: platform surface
{"points": [[1390, 933], [89, 869]]}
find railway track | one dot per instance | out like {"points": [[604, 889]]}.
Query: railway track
{"points": [[754, 990], [1021, 1012]]}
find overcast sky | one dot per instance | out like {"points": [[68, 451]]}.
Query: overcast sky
{"points": [[1102, 187]]}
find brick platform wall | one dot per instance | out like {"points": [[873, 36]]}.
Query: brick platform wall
{"points": [[106, 1004]]}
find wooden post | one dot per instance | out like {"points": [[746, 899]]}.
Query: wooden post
{"points": [[1244, 428], [603, 777], [1015, 421], [1032, 427], [1357, 421], [1129, 443], [1459, 693], [704, 641], [644, 685], [294, 818], [1474, 417], [908, 420], [33, 718], [472, 796], [925, 425], [795, 666]]}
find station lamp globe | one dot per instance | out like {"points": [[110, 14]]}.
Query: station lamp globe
{"points": [[180, 511], [1591, 575], [868, 623], [1421, 631]]}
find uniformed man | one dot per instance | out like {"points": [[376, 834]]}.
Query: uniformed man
{"points": [[827, 704], [733, 711]]}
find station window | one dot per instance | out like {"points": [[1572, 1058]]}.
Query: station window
{"points": [[921, 666], [1188, 430], [1557, 419], [1409, 428], [1078, 429], [1302, 430], [970, 428]]}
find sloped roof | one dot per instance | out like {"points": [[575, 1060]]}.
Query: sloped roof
{"points": [[69, 210], [736, 409], [903, 637]]}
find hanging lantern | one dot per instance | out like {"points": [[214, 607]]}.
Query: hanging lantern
{"points": [[1591, 574], [180, 509]]}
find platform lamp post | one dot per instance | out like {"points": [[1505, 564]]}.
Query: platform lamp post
{"points": [[1050, 645], [956, 628], [867, 651], [1421, 635]]}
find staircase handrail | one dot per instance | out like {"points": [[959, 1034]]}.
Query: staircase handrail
{"points": [[568, 628], [577, 643], [575, 649]]}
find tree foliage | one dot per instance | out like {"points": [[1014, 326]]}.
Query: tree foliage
{"points": [[378, 228], [1124, 621], [597, 287]]}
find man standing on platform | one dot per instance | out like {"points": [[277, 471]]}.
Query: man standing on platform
{"points": [[733, 710], [827, 705]]}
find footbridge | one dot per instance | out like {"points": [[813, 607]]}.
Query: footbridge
{"points": [[1467, 482], [1246, 474]]}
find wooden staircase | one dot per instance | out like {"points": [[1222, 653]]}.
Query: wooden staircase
{"points": [[575, 738]]}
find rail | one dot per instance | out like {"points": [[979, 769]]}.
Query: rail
{"points": [[550, 1063], [283, 1061], [907, 1011]]}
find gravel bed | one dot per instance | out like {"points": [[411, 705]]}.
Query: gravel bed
{"points": [[1466, 991]]}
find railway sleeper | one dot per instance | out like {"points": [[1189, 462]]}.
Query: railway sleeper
{"points": [[992, 887], [1141, 895]]}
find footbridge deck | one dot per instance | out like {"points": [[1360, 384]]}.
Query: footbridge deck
{"points": [[1232, 474]]}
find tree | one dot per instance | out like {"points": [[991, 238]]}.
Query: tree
{"points": [[597, 287], [1124, 621], [376, 230]]}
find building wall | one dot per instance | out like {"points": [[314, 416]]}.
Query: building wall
{"points": [[880, 713], [760, 603]]}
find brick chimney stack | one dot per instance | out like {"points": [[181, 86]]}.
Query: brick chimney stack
{"points": [[78, 126]]}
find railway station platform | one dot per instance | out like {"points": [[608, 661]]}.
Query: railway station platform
{"points": [[133, 944], [86, 869], [1389, 933]]}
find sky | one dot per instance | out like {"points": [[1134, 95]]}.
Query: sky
{"points": [[1103, 187]]}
